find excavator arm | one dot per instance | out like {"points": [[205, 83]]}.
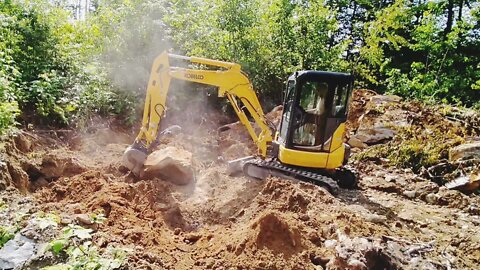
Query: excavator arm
{"points": [[232, 83]]}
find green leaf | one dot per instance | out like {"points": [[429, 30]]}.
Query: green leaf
{"points": [[47, 221], [5, 235], [82, 233], [58, 245]]}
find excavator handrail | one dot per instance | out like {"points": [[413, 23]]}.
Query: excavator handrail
{"points": [[231, 82]]}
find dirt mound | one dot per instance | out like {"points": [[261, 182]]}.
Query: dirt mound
{"points": [[396, 219], [276, 232], [360, 98]]}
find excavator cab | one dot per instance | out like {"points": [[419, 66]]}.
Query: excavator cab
{"points": [[313, 122]]}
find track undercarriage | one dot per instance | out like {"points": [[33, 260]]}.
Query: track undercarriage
{"points": [[261, 169]]}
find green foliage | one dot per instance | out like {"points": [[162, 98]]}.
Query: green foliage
{"points": [[5, 235], [67, 71], [270, 39], [414, 148], [48, 67], [8, 113], [408, 52], [97, 218], [75, 242], [45, 220]]}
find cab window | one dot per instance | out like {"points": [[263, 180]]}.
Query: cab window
{"points": [[340, 101], [311, 113], [287, 111]]}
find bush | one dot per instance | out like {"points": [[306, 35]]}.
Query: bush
{"points": [[8, 112], [46, 68]]}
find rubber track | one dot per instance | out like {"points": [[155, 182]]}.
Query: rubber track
{"points": [[302, 175]]}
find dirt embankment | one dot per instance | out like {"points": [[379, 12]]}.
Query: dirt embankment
{"points": [[396, 219]]}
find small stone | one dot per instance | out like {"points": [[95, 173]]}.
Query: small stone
{"points": [[318, 260], [374, 135], [431, 198], [66, 220], [356, 264], [385, 99], [410, 194], [160, 207], [304, 217], [374, 218], [192, 237], [355, 142], [177, 231], [83, 219], [330, 243], [465, 151], [390, 178]]}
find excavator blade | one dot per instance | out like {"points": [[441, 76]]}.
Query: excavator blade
{"points": [[134, 158]]}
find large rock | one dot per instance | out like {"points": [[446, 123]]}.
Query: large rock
{"points": [[355, 142], [465, 151], [16, 252], [56, 165], [22, 142], [465, 183], [385, 99], [172, 164], [373, 135]]}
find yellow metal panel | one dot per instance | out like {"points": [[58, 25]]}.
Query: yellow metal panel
{"points": [[321, 160], [302, 158], [335, 158], [231, 82], [337, 138]]}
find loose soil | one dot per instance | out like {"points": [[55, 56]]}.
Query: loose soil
{"points": [[394, 220]]}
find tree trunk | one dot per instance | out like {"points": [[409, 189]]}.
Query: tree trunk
{"points": [[460, 10], [352, 25], [448, 27]]}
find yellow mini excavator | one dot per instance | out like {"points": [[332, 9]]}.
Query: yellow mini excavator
{"points": [[308, 144]]}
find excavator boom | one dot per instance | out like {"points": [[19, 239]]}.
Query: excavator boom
{"points": [[232, 83]]}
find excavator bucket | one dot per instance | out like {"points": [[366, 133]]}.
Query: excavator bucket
{"points": [[134, 159]]}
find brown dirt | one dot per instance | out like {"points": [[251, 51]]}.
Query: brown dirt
{"points": [[360, 98], [223, 222]]}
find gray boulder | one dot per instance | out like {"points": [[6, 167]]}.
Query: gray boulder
{"points": [[172, 164]]}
